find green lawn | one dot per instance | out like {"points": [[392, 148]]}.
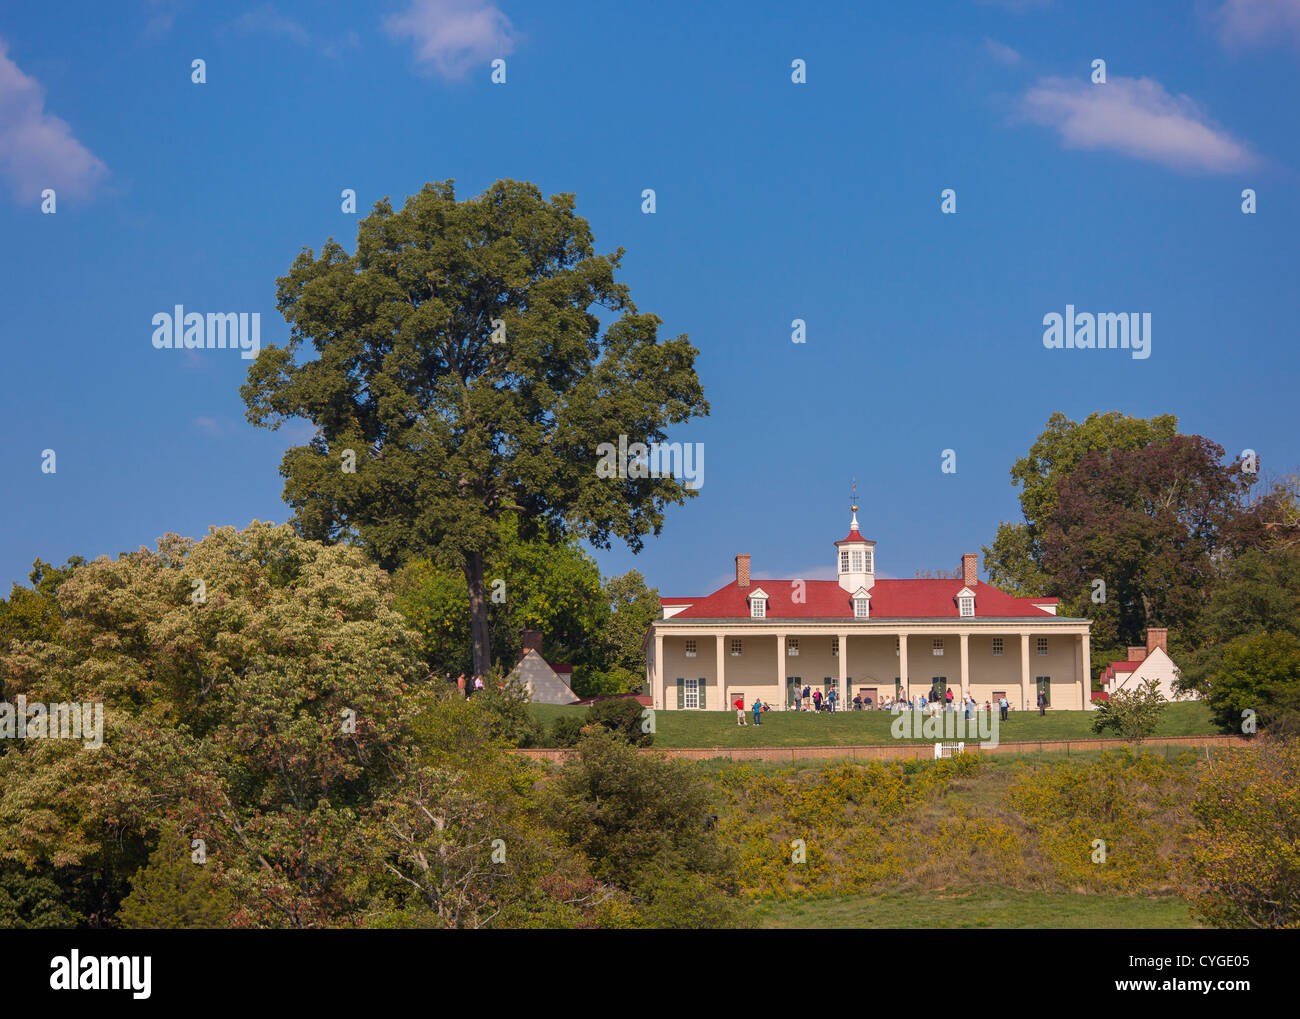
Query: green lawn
{"points": [[847, 728], [983, 907]]}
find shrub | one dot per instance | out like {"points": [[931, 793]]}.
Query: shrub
{"points": [[566, 731], [1260, 673], [622, 717], [1243, 868], [1133, 714], [505, 701], [172, 892]]}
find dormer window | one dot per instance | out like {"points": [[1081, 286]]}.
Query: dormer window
{"points": [[758, 604], [862, 603], [965, 602]]}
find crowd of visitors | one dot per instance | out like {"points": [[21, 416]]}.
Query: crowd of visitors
{"points": [[933, 703]]}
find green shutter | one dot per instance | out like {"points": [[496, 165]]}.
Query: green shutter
{"points": [[702, 685], [681, 693]]}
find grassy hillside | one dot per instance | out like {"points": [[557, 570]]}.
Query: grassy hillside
{"points": [[847, 728], [969, 842], [976, 908]]}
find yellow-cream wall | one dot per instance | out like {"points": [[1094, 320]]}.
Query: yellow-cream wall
{"points": [[872, 661]]}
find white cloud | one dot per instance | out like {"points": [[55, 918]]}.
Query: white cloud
{"points": [[266, 20], [1000, 52], [1245, 23], [1137, 117], [160, 23], [451, 36], [207, 425], [37, 149]]}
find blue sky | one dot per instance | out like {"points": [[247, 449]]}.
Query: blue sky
{"points": [[775, 201]]}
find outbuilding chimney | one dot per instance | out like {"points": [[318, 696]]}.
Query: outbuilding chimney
{"points": [[1137, 654], [970, 570], [532, 642], [1157, 637], [742, 570]]}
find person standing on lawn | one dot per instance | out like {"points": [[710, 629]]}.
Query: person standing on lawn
{"points": [[740, 711], [758, 711]]}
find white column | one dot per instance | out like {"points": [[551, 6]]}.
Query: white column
{"points": [[780, 671], [1085, 670], [1025, 700], [902, 664], [845, 692], [965, 666], [657, 689], [722, 672]]}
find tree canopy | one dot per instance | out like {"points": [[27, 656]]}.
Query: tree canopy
{"points": [[1015, 559], [463, 371]]}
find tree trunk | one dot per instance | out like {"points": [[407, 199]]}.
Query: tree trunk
{"points": [[478, 614]]}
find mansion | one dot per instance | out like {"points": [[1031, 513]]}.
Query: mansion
{"points": [[859, 636]]}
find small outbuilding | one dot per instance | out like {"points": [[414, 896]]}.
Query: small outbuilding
{"points": [[542, 681]]}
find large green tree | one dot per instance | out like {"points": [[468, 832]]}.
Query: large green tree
{"points": [[1150, 524], [255, 687], [532, 585], [470, 358], [633, 607], [1015, 559]]}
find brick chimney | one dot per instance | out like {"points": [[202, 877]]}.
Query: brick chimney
{"points": [[970, 570], [1157, 637], [742, 570], [1136, 654], [532, 642]]}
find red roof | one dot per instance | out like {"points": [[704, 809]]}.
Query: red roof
{"points": [[855, 535], [675, 601], [890, 599], [1116, 667], [1100, 695]]}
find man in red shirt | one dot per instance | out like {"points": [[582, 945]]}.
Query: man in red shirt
{"points": [[740, 711]]}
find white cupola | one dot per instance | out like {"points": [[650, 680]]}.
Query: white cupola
{"points": [[856, 560]]}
